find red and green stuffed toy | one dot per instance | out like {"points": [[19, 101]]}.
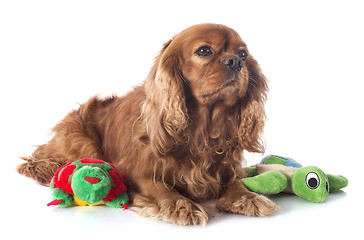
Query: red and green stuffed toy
{"points": [[89, 182]]}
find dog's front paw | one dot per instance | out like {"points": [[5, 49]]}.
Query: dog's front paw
{"points": [[249, 204], [181, 211]]}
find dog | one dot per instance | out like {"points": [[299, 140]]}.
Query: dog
{"points": [[180, 136]]}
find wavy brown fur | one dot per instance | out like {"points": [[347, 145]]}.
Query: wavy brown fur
{"points": [[179, 137]]}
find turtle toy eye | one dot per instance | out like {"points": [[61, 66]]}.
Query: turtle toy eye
{"points": [[204, 51], [312, 180], [326, 184]]}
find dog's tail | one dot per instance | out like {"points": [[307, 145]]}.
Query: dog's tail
{"points": [[41, 170]]}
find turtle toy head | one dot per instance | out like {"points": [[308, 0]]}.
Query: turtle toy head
{"points": [[90, 184], [310, 183]]}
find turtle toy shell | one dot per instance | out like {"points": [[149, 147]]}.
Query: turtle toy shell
{"points": [[89, 182]]}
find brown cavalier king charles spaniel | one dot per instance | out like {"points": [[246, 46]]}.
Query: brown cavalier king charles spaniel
{"points": [[180, 136]]}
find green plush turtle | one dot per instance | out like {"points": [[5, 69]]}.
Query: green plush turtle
{"points": [[89, 182], [277, 174]]}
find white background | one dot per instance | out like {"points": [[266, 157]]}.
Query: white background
{"points": [[55, 54]]}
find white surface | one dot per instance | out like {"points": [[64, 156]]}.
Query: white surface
{"points": [[55, 54]]}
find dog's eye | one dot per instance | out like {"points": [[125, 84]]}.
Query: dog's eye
{"points": [[243, 54], [205, 51]]}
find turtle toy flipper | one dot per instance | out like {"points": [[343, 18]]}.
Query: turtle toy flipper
{"points": [[89, 182], [271, 182], [60, 197], [337, 182], [277, 174], [120, 201]]}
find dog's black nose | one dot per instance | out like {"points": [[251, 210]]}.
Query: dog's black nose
{"points": [[233, 63]]}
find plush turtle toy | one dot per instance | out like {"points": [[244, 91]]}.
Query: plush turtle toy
{"points": [[89, 182], [277, 174]]}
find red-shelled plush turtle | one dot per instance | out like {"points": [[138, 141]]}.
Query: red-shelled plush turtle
{"points": [[89, 182]]}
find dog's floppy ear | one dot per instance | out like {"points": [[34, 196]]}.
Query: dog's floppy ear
{"points": [[252, 112], [258, 83], [164, 110]]}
